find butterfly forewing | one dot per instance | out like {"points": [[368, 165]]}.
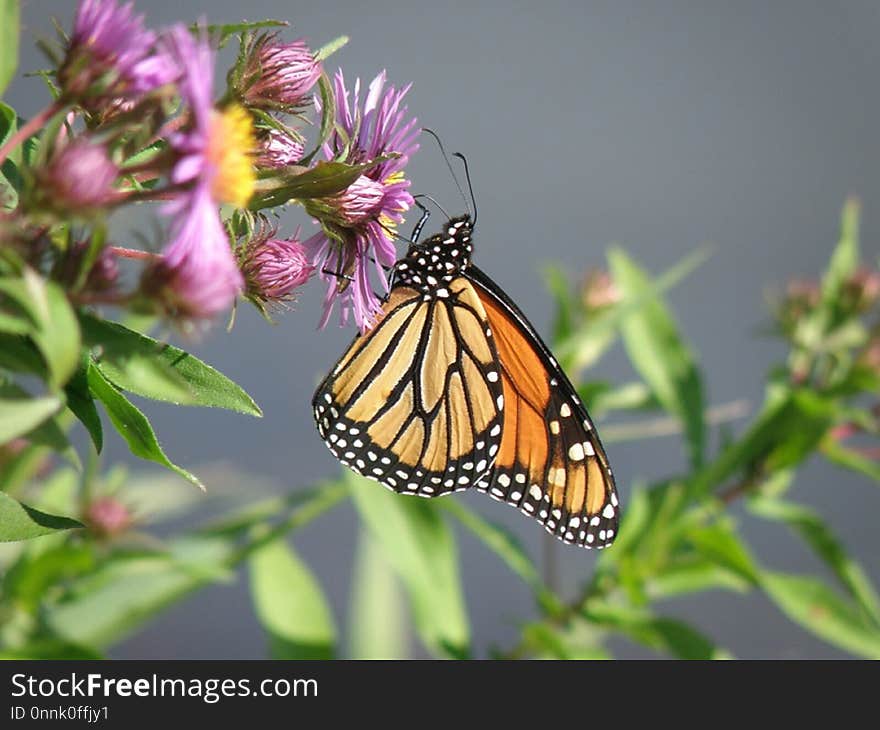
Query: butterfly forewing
{"points": [[551, 464], [416, 403], [454, 388]]}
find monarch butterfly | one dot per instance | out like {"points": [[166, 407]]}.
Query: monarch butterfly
{"points": [[453, 389]]}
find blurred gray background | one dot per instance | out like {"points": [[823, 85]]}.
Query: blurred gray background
{"points": [[657, 125]]}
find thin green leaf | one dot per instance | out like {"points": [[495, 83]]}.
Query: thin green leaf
{"points": [[838, 454], [56, 332], [593, 337], [720, 544], [9, 28], [659, 633], [810, 526], [122, 595], [378, 621], [290, 604], [328, 49], [787, 430], [500, 541], [48, 432], [132, 425], [328, 117], [421, 548], [320, 181], [82, 404], [19, 415], [144, 366], [20, 522], [10, 174], [695, 575], [556, 282], [659, 353], [810, 603], [845, 258], [223, 32]]}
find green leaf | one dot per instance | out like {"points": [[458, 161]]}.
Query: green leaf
{"points": [[153, 369], [328, 117], [378, 622], [810, 603], [223, 32], [132, 425], [33, 575], [122, 595], [556, 281], [290, 604], [845, 258], [421, 549], [695, 575], [594, 336], [20, 522], [810, 526], [502, 542], [320, 181], [56, 332], [328, 49], [659, 633], [790, 426], [838, 454], [720, 544], [49, 649], [19, 355], [10, 175], [9, 20], [628, 397], [82, 404], [659, 353], [48, 432], [21, 414]]}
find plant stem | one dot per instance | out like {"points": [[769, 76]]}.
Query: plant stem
{"points": [[133, 253], [29, 128]]}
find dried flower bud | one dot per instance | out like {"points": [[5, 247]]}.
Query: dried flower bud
{"points": [[277, 149], [273, 268], [79, 178], [278, 76], [108, 517], [862, 290], [598, 290]]}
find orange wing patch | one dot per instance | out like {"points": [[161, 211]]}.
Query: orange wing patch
{"points": [[550, 464]]}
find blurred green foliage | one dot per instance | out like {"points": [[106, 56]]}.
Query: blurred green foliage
{"points": [[79, 577]]}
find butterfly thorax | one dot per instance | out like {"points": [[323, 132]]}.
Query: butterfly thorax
{"points": [[430, 265]]}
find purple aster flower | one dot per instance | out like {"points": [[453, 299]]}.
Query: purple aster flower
{"points": [[79, 177], [111, 55], [197, 276], [274, 267], [277, 149], [358, 224], [278, 76]]}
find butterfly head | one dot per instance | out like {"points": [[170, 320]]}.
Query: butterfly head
{"points": [[430, 265]]}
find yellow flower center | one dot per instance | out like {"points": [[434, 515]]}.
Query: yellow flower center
{"points": [[231, 145]]}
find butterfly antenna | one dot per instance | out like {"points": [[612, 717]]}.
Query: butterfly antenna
{"points": [[467, 175], [451, 170]]}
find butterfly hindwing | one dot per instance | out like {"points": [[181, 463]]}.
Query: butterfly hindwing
{"points": [[416, 402], [551, 464]]}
